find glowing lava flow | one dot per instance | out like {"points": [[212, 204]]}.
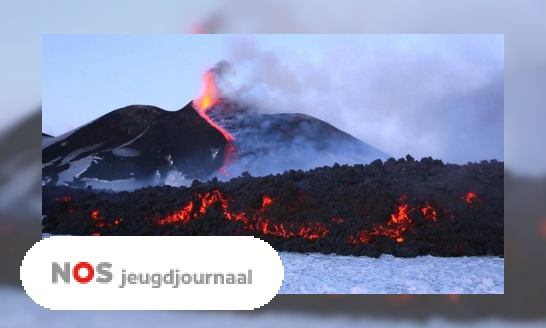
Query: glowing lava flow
{"points": [[397, 225], [95, 215], [470, 198], [429, 212], [183, 215], [399, 222], [252, 221], [99, 220], [209, 98]]}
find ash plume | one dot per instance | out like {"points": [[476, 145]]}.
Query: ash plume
{"points": [[440, 96]]}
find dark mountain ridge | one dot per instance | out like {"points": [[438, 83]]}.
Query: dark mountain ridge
{"points": [[142, 145]]}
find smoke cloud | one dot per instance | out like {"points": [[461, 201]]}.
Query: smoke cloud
{"points": [[424, 95]]}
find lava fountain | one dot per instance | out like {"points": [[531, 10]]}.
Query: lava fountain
{"points": [[207, 100]]}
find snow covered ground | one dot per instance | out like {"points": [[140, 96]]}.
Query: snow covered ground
{"points": [[17, 310], [333, 274]]}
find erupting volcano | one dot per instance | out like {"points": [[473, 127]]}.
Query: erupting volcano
{"points": [[138, 146], [405, 207]]}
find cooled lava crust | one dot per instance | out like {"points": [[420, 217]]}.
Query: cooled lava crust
{"points": [[401, 207]]}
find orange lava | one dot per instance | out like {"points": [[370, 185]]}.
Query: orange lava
{"points": [[207, 100], [470, 197], [543, 228], [252, 220], [182, 216], [309, 231], [396, 226], [96, 234], [313, 231], [209, 93], [99, 220], [266, 201], [429, 212]]}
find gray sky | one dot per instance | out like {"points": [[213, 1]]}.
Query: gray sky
{"points": [[426, 95]]}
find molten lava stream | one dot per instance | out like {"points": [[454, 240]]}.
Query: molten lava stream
{"points": [[207, 100]]}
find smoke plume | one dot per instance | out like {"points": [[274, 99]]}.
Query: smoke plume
{"points": [[437, 95]]}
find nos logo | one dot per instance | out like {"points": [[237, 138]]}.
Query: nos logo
{"points": [[103, 272]]}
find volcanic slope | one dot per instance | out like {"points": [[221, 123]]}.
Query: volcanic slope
{"points": [[139, 146], [133, 144], [272, 143]]}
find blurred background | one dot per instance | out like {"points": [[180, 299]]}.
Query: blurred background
{"points": [[22, 24]]}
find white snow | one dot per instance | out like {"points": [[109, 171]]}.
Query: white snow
{"points": [[116, 185], [315, 273], [77, 152], [76, 169]]}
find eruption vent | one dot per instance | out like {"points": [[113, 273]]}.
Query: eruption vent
{"points": [[207, 100], [209, 94]]}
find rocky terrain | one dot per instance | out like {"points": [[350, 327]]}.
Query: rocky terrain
{"points": [[402, 207]]}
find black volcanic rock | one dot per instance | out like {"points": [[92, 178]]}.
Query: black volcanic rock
{"points": [[402, 208], [134, 143], [140, 146], [45, 136]]}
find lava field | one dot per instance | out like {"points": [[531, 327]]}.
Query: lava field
{"points": [[401, 207]]}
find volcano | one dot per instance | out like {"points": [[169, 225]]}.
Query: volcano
{"points": [[139, 146]]}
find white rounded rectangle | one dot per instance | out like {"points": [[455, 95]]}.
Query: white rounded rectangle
{"points": [[152, 273]]}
